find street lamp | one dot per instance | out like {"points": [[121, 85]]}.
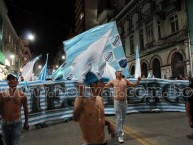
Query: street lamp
{"points": [[31, 37], [39, 66], [63, 57], [27, 35]]}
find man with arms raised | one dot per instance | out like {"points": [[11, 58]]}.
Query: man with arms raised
{"points": [[120, 85]]}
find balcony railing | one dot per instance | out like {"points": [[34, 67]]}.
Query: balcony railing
{"points": [[178, 36]]}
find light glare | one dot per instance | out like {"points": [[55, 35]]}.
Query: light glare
{"points": [[31, 37]]}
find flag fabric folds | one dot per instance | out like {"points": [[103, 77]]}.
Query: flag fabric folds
{"points": [[109, 72], [43, 74], [28, 69], [137, 65], [91, 49]]}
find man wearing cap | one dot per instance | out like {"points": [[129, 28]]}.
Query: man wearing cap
{"points": [[11, 102], [120, 85], [89, 111]]}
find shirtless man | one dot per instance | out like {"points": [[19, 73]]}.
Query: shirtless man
{"points": [[11, 102], [120, 85], [89, 112]]}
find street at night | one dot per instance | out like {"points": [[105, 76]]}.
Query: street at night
{"points": [[84, 59], [162, 128]]}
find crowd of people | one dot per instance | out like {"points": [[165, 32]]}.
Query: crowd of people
{"points": [[88, 108]]}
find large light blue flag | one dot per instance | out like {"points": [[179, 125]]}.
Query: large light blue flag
{"points": [[28, 69], [43, 74], [90, 50], [137, 64]]}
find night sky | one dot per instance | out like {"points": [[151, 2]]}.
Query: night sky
{"points": [[50, 22]]}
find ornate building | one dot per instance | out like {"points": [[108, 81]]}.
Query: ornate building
{"points": [[159, 28]]}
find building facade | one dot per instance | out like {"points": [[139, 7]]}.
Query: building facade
{"points": [[13, 50], [85, 15], [159, 28]]}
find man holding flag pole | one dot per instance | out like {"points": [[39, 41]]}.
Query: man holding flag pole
{"points": [[120, 85]]}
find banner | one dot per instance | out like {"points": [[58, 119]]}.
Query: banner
{"points": [[150, 94], [54, 100]]}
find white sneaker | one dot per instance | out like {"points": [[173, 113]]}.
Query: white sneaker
{"points": [[120, 139], [123, 133]]}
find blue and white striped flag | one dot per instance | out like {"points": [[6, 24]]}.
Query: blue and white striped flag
{"points": [[28, 69], [137, 64], [90, 50], [43, 74]]}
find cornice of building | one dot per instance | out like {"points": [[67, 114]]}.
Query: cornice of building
{"points": [[130, 9]]}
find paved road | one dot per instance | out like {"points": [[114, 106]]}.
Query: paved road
{"points": [[140, 129]]}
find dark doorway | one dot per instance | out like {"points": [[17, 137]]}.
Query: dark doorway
{"points": [[156, 68], [144, 69], [132, 71], [177, 64]]}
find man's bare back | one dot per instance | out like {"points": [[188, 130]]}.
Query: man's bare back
{"points": [[92, 120], [89, 112]]}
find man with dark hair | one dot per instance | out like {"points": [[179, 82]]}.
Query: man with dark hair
{"points": [[120, 85], [89, 111], [11, 101], [189, 104]]}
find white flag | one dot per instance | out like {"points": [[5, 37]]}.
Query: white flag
{"points": [[28, 69], [137, 65], [109, 72]]}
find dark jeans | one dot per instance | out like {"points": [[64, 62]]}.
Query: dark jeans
{"points": [[11, 132]]}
